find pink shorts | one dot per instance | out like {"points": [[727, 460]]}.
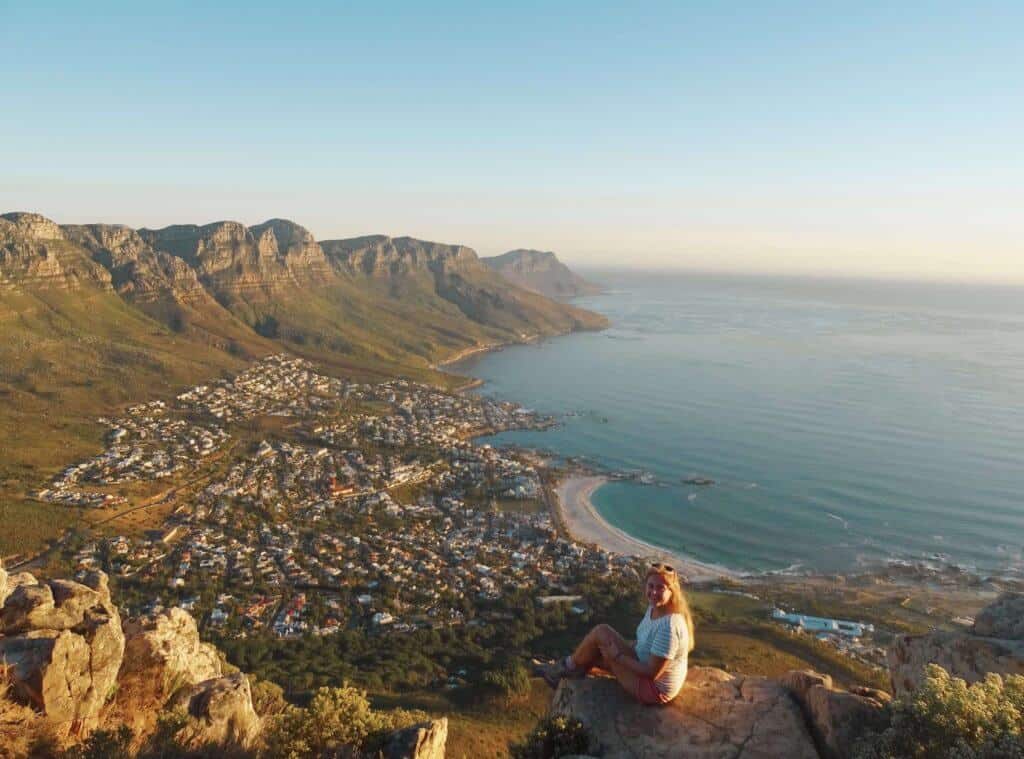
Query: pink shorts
{"points": [[648, 693]]}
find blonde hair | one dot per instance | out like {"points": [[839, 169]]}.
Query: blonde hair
{"points": [[677, 604]]}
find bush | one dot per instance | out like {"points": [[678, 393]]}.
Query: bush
{"points": [[510, 682], [336, 717], [947, 719], [553, 738]]}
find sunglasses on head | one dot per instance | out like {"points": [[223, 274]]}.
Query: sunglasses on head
{"points": [[668, 568]]}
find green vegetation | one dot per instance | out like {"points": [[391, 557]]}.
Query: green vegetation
{"points": [[335, 718], [948, 719], [553, 738]]}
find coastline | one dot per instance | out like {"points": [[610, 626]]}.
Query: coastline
{"points": [[585, 525]]}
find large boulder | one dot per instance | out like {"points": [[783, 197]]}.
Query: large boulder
{"points": [[425, 740], [1003, 619], [218, 712], [62, 643], [836, 717], [165, 652], [715, 716]]}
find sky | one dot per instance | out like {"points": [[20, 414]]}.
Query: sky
{"points": [[870, 138]]}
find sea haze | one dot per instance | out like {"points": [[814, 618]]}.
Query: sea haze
{"points": [[845, 423]]}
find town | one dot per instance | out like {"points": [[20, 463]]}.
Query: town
{"points": [[326, 504]]}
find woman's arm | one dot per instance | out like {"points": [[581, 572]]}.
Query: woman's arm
{"points": [[654, 668]]}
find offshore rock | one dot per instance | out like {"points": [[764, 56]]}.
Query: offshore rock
{"points": [[425, 740], [836, 717], [218, 711], [715, 716], [63, 644]]}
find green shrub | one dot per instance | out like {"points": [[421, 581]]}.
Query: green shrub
{"points": [[511, 681], [947, 719], [335, 717], [553, 738]]}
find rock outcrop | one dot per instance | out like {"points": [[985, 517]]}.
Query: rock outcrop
{"points": [[217, 711], [425, 740], [62, 643], [835, 717], [67, 657], [996, 644], [541, 272], [716, 715], [166, 650]]}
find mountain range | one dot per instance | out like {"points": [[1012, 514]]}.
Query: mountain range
{"points": [[97, 315]]}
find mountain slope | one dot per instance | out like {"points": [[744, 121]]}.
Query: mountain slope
{"points": [[94, 316], [541, 272]]}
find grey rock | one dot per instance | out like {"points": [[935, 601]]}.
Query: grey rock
{"points": [[715, 716], [425, 740]]}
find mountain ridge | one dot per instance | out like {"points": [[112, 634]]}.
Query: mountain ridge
{"points": [[97, 315], [542, 272]]}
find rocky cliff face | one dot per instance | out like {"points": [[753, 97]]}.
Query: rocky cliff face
{"points": [[35, 252], [137, 272], [230, 258], [996, 644], [541, 272], [381, 256]]}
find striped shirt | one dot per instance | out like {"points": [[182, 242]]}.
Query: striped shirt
{"points": [[669, 638]]}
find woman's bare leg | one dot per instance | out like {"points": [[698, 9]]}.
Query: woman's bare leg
{"points": [[627, 678], [589, 652]]}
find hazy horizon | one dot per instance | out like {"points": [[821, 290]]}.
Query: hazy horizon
{"points": [[870, 141]]}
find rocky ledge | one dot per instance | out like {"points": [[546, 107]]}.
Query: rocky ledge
{"points": [[721, 716]]}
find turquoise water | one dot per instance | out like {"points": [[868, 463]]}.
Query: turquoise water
{"points": [[845, 423]]}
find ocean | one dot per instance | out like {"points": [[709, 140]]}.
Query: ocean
{"points": [[845, 423]]}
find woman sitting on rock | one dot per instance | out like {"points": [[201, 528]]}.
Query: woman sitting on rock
{"points": [[654, 669]]}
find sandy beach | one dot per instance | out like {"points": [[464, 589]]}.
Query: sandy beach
{"points": [[587, 526]]}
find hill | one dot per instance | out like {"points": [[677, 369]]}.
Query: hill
{"points": [[95, 316], [541, 272]]}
